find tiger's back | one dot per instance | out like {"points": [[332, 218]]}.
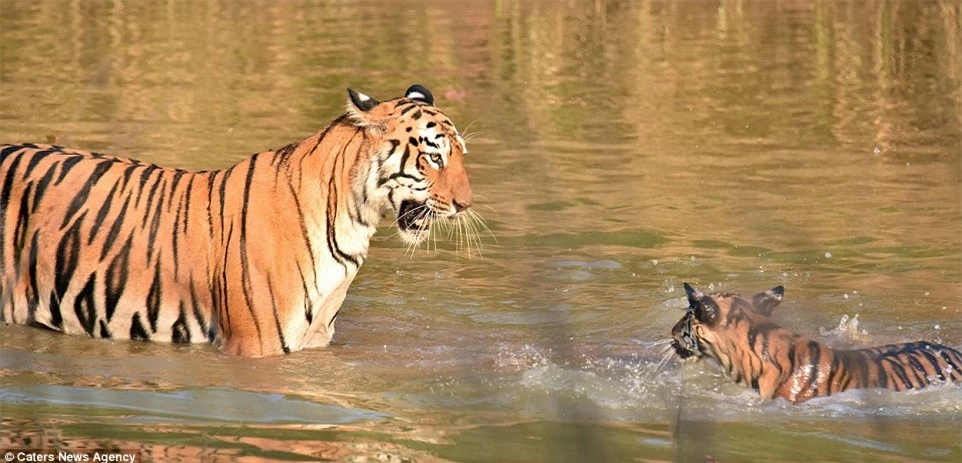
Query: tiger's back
{"points": [[79, 230]]}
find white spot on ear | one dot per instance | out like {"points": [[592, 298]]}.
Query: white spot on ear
{"points": [[363, 97], [416, 96]]}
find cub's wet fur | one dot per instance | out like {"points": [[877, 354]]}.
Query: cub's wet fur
{"points": [[737, 333]]}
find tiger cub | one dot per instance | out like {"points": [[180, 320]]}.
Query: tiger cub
{"points": [[776, 362], [255, 258]]}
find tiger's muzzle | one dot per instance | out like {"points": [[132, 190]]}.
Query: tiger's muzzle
{"points": [[684, 341]]}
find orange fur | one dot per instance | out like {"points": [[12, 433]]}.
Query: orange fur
{"points": [[256, 258], [754, 351]]}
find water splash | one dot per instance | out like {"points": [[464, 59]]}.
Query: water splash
{"points": [[847, 330]]}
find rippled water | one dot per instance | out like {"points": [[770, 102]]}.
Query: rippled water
{"points": [[618, 150]]}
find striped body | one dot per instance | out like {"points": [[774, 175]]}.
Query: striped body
{"points": [[256, 258], [776, 362]]}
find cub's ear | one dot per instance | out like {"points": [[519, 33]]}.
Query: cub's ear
{"points": [[764, 303], [418, 92], [706, 311], [694, 295]]}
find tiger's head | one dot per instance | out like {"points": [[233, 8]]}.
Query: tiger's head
{"points": [[713, 323], [420, 171]]}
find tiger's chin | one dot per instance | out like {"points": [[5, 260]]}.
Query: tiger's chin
{"points": [[414, 222]]}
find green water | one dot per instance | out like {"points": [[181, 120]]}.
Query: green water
{"points": [[618, 149]]}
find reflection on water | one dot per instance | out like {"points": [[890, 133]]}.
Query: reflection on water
{"points": [[618, 149]]}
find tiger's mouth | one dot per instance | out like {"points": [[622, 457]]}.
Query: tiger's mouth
{"points": [[414, 217], [681, 351]]}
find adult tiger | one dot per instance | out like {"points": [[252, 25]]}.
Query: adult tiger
{"points": [[776, 362], [256, 258]]}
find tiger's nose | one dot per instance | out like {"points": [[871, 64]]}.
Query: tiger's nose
{"points": [[460, 206]]}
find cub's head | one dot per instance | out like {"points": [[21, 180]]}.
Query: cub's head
{"points": [[714, 324], [421, 169]]}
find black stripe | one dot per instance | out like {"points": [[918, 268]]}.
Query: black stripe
{"points": [[33, 290], [223, 198], [948, 358], [56, 318], [137, 330], [67, 258], [222, 287], [332, 245], [42, 185], [304, 234], [308, 304], [154, 227], [154, 298], [846, 379], [173, 186], [883, 377], [10, 149], [104, 331], [145, 174], [35, 159], [84, 307], [899, 371], [128, 172], [198, 315], [66, 165], [187, 195], [832, 371], [20, 231], [116, 282], [114, 229], [80, 197], [180, 330], [4, 204], [210, 199], [102, 213], [917, 369], [246, 284], [277, 318], [162, 182]]}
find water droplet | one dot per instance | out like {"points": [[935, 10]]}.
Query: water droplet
{"points": [[828, 255], [845, 295]]}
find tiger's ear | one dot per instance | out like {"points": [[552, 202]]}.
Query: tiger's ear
{"points": [[764, 303], [706, 311], [358, 107], [360, 101], [418, 92]]}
